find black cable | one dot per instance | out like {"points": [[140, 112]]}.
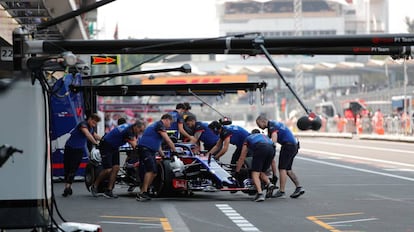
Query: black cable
{"points": [[145, 61], [52, 91], [51, 167], [133, 67], [50, 94], [46, 158], [46, 94], [259, 42], [199, 98]]}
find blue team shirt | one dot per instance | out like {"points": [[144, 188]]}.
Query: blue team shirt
{"points": [[207, 135], [252, 140], [236, 133], [284, 134], [77, 138], [151, 138], [177, 118], [120, 135]]}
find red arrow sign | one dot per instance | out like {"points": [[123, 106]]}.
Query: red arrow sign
{"points": [[97, 60]]}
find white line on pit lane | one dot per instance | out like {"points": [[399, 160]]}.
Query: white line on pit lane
{"points": [[355, 157], [235, 217], [356, 169], [398, 170], [364, 147], [350, 221]]}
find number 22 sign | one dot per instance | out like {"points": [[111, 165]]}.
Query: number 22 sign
{"points": [[6, 53]]}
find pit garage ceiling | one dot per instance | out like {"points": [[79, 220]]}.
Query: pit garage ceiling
{"points": [[30, 13]]}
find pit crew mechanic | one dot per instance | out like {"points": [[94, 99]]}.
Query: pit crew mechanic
{"points": [[232, 134], [263, 153], [148, 146], [109, 148], [74, 148], [281, 134], [201, 132], [187, 112], [178, 124]]}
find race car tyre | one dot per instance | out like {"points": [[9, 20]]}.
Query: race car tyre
{"points": [[162, 184], [89, 175], [91, 172]]}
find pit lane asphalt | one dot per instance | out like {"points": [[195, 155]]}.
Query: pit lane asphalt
{"points": [[343, 193]]}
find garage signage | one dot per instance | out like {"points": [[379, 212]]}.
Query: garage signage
{"points": [[102, 60], [6, 53]]}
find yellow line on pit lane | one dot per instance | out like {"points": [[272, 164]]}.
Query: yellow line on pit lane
{"points": [[337, 215], [322, 224], [315, 219], [166, 225], [164, 221]]}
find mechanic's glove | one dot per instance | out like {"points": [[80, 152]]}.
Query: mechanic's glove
{"points": [[97, 145], [274, 180], [217, 159], [162, 155], [238, 177], [238, 180]]}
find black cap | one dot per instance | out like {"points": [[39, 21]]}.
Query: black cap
{"points": [[215, 126], [121, 121], [255, 131], [187, 105], [180, 106], [138, 123], [190, 118]]}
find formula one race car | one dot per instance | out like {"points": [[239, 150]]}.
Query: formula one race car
{"points": [[183, 172], [188, 172]]}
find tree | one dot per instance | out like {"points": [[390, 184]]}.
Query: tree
{"points": [[410, 24]]}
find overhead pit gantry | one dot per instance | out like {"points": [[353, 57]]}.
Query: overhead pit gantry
{"points": [[28, 92], [395, 45]]}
